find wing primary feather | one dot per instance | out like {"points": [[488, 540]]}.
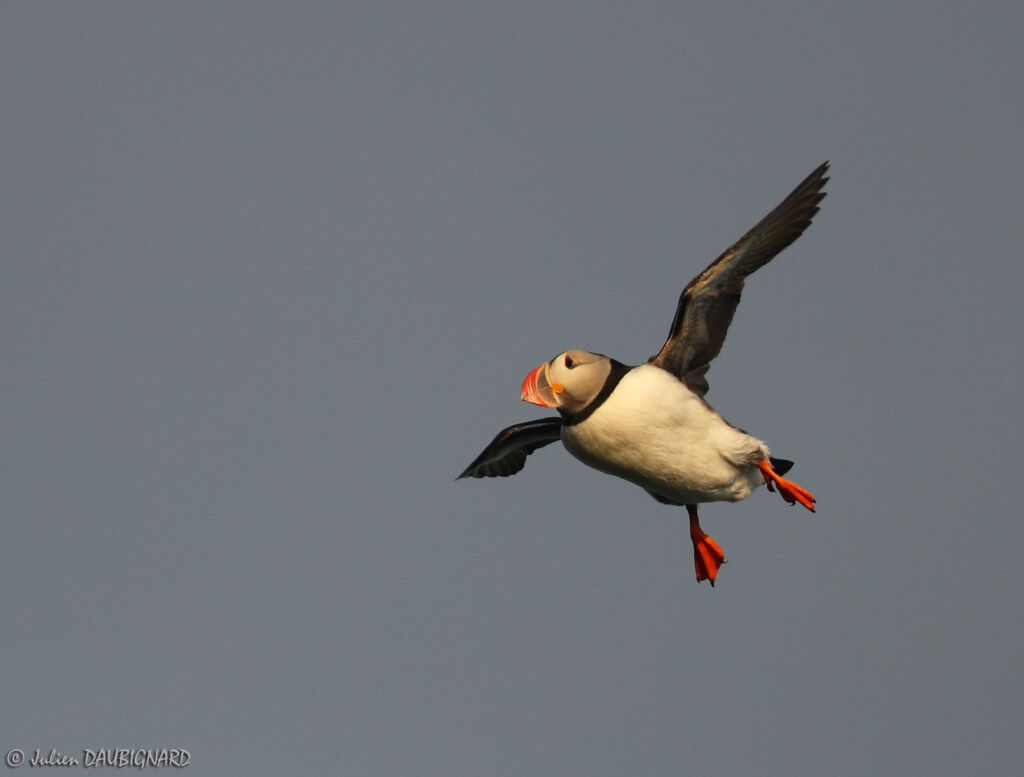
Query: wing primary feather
{"points": [[707, 304], [506, 454]]}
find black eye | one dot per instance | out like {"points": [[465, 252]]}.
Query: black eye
{"points": [[569, 363]]}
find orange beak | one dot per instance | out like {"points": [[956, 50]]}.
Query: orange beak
{"points": [[538, 390]]}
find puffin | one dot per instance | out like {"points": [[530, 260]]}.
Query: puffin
{"points": [[650, 424]]}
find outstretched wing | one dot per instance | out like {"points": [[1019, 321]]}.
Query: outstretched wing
{"points": [[507, 452], [708, 302]]}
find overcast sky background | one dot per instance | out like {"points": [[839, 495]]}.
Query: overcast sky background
{"points": [[271, 277]]}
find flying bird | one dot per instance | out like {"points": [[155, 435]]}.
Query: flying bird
{"points": [[650, 424]]}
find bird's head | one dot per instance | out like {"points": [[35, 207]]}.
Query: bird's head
{"points": [[569, 382]]}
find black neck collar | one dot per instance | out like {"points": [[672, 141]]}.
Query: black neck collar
{"points": [[618, 371]]}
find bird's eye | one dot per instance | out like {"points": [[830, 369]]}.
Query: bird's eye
{"points": [[569, 363]]}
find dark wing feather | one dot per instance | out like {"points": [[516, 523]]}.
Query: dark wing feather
{"points": [[708, 302], [507, 452]]}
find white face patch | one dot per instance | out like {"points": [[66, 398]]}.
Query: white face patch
{"points": [[580, 375]]}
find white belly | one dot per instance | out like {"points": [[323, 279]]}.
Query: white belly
{"points": [[654, 432]]}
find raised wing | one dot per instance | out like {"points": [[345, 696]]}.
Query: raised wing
{"points": [[708, 302], [507, 452]]}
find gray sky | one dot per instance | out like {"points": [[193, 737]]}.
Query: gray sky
{"points": [[272, 278]]}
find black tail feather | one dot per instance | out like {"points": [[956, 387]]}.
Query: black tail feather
{"points": [[781, 466]]}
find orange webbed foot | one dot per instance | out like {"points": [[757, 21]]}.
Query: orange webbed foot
{"points": [[788, 490], [707, 554]]}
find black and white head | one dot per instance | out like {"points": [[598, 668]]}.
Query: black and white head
{"points": [[569, 382]]}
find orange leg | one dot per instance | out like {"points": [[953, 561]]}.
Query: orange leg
{"points": [[788, 490], [707, 554]]}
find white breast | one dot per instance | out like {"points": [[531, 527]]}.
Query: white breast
{"points": [[654, 432]]}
